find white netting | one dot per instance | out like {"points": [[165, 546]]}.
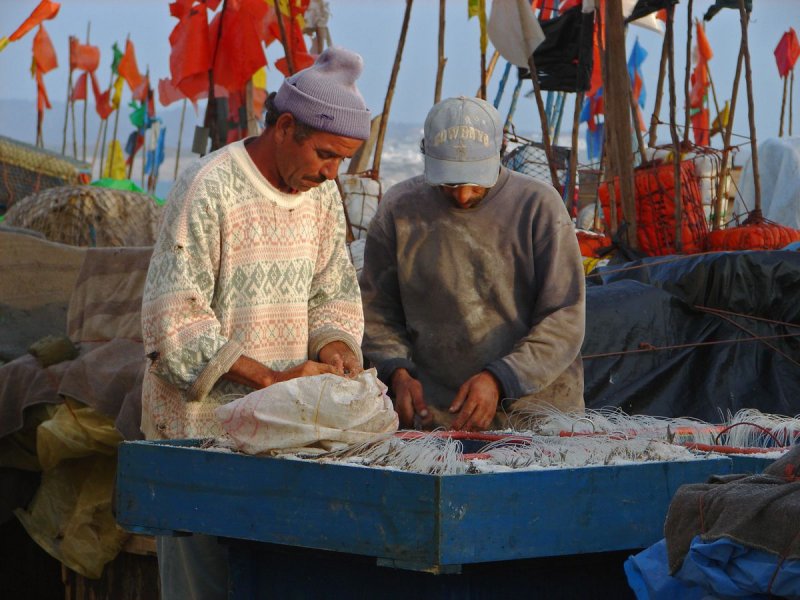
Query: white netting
{"points": [[361, 196]]}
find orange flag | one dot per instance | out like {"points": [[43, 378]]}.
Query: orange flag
{"points": [[79, 89], [238, 53], [44, 11], [42, 101], [787, 52], [44, 55], [101, 103], [704, 52], [127, 67], [83, 56]]}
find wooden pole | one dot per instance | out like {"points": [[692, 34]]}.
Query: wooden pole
{"points": [[86, 99], [751, 113], [719, 212], [783, 105], [662, 70], [180, 136], [617, 94], [74, 125], [387, 103], [688, 74], [673, 130], [69, 97], [573, 156], [144, 133], [791, 101], [490, 69], [284, 38], [442, 60], [482, 18]]}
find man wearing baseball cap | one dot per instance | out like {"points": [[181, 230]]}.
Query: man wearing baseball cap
{"points": [[250, 282], [473, 287]]}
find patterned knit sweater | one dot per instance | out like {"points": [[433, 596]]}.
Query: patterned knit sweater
{"points": [[239, 268]]}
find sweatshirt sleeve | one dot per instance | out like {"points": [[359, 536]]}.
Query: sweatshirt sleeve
{"points": [[386, 344], [180, 329], [559, 312], [334, 305]]}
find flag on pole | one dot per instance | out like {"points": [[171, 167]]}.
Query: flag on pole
{"points": [[83, 56], [44, 11], [786, 52], [514, 30], [79, 89], [127, 67]]}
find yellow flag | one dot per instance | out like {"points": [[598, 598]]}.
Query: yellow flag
{"points": [[721, 121], [482, 19], [118, 86], [473, 8], [3, 43], [260, 78], [115, 162]]}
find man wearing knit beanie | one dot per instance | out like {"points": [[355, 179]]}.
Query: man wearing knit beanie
{"points": [[250, 282]]}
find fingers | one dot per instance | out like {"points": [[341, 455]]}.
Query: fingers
{"points": [[352, 366]]}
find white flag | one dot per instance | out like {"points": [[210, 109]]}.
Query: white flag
{"points": [[514, 30]]}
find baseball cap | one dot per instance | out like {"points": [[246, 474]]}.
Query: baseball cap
{"points": [[463, 137]]}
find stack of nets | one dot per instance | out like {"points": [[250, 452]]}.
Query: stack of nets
{"points": [[26, 169], [87, 216]]}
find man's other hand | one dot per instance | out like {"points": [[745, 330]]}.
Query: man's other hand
{"points": [[343, 360], [409, 400], [476, 402]]}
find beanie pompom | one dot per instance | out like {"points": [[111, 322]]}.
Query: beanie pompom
{"points": [[325, 97]]}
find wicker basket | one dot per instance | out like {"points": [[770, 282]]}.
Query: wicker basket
{"points": [[26, 169], [87, 216]]}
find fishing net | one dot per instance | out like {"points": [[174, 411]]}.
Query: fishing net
{"points": [[530, 159], [88, 216], [26, 169]]}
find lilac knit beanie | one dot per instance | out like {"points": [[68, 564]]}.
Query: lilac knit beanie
{"points": [[324, 96]]}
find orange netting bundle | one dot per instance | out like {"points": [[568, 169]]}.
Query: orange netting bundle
{"points": [[655, 209]]}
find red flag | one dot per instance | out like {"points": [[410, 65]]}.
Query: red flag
{"points": [[787, 52], [83, 56], [238, 52], [44, 55], [44, 11], [127, 67], [79, 89], [700, 83], [168, 93], [700, 127], [704, 52], [101, 99], [190, 58]]}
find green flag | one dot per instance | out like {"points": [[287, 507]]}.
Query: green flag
{"points": [[117, 58], [138, 115]]}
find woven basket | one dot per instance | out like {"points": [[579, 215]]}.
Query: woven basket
{"points": [[87, 216], [26, 169]]}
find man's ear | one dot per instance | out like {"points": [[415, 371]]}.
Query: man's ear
{"points": [[284, 126]]}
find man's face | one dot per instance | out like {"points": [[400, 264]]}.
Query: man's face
{"points": [[308, 162], [464, 195]]}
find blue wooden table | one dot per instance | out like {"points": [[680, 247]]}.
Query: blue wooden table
{"points": [[370, 519]]}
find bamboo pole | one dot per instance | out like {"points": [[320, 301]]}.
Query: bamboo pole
{"points": [[688, 73], [86, 99], [284, 38], [74, 132], [387, 103], [573, 156], [442, 60], [618, 114], [548, 150], [144, 133], [180, 136], [791, 101], [607, 167], [482, 18], [66, 108], [751, 113], [490, 69], [662, 70], [783, 105], [673, 129], [718, 209]]}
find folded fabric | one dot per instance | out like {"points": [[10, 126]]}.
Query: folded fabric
{"points": [[323, 411]]}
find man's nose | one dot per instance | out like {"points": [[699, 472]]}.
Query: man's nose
{"points": [[462, 195]]}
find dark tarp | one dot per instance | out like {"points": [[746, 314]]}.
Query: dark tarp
{"points": [[646, 7], [657, 305], [564, 59], [720, 4]]}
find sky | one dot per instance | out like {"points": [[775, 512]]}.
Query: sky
{"points": [[372, 28]]}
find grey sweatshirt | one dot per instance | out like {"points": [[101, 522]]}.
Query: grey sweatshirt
{"points": [[449, 292]]}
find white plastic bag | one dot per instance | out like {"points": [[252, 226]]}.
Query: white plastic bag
{"points": [[322, 411]]}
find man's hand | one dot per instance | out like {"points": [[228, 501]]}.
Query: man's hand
{"points": [[305, 369], [409, 400], [343, 360], [256, 375], [476, 402]]}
